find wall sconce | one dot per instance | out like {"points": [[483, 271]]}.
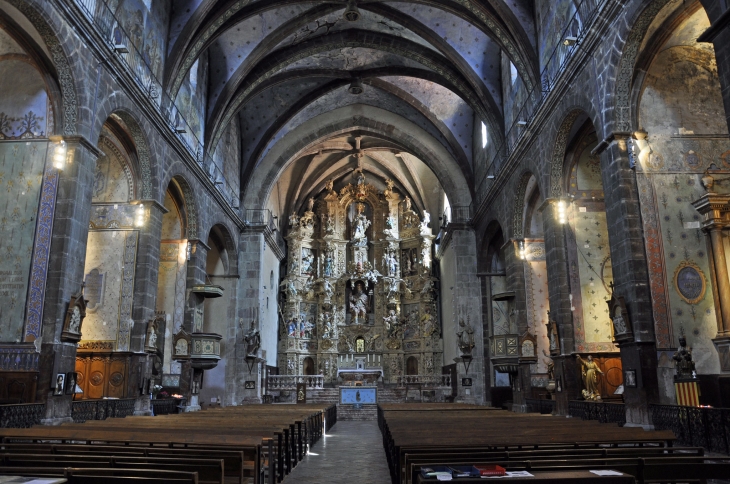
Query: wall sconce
{"points": [[140, 216], [521, 252], [562, 212], [570, 40], [60, 152]]}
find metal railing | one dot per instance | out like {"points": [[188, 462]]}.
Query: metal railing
{"points": [[540, 405], [21, 416], [440, 381], [695, 426], [120, 43], [289, 382], [602, 411], [573, 34], [84, 410]]}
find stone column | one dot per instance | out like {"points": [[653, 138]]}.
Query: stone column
{"points": [[65, 273], [467, 305], [485, 282], [715, 208], [145, 297], [556, 256], [630, 275], [250, 262], [719, 35], [515, 269], [193, 322]]}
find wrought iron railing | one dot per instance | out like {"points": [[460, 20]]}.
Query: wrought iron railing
{"points": [[441, 381], [540, 405], [289, 382], [84, 410], [695, 426], [604, 412], [21, 416], [98, 13], [14, 357], [572, 35], [167, 406]]}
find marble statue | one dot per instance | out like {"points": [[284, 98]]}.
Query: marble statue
{"points": [[465, 336], [359, 237], [359, 303]]}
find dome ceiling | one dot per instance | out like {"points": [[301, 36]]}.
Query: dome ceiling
{"points": [[276, 65]]}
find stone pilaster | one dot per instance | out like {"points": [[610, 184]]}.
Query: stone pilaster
{"points": [[467, 306], [65, 273], [556, 256], [515, 269], [145, 296], [630, 275], [250, 262]]}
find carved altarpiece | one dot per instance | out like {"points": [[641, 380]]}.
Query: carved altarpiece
{"points": [[346, 293]]}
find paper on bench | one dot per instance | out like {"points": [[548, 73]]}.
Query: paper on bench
{"points": [[510, 474], [607, 473], [442, 477]]}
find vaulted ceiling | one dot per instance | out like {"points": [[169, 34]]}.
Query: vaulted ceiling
{"points": [[276, 65]]}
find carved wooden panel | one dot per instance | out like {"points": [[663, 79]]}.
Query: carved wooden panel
{"points": [[18, 386], [102, 374]]}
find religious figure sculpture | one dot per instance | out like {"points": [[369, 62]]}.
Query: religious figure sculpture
{"points": [[388, 187], [252, 339], [310, 204], [465, 337], [307, 262], [391, 323], [359, 237], [426, 221], [290, 288], [293, 220], [389, 227], [328, 289], [428, 324], [330, 225], [683, 358], [328, 264], [326, 325], [152, 336], [330, 186], [619, 324], [359, 303], [589, 373], [390, 263], [291, 328]]}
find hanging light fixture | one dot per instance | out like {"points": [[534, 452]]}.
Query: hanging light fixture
{"points": [[60, 152], [352, 14]]}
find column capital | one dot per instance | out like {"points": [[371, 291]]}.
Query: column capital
{"points": [[714, 208], [148, 202], [614, 136]]}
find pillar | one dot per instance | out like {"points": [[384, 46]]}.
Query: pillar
{"points": [[193, 321], [560, 306], [715, 208], [145, 297], [65, 273], [630, 275], [459, 272], [515, 269]]}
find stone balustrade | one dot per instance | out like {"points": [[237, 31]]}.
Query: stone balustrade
{"points": [[289, 382], [440, 381]]}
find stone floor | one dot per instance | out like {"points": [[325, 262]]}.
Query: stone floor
{"points": [[350, 453]]}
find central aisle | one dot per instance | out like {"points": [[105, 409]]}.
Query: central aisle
{"points": [[350, 453]]}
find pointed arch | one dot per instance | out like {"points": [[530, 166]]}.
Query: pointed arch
{"points": [[142, 148], [187, 202]]}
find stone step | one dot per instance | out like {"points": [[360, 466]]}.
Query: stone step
{"points": [[350, 413]]}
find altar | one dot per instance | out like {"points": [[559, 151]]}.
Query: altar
{"points": [[360, 295]]}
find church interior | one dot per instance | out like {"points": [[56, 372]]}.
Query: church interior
{"points": [[256, 222]]}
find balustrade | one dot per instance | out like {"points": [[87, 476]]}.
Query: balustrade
{"points": [[21, 416], [604, 412], [695, 426], [84, 410], [441, 381], [289, 382]]}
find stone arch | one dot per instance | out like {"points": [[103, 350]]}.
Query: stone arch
{"points": [[370, 120], [492, 239], [59, 58], [224, 233], [189, 206], [145, 191], [625, 70], [518, 225], [558, 156]]}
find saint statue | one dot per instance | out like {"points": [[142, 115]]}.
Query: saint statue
{"points": [[310, 204], [328, 264], [589, 372], [252, 339], [683, 358], [152, 336], [293, 220], [391, 322], [330, 225], [330, 186], [361, 224], [359, 302]]}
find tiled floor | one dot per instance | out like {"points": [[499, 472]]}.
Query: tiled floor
{"points": [[351, 453]]}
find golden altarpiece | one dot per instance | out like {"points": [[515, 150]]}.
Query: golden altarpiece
{"points": [[360, 294]]}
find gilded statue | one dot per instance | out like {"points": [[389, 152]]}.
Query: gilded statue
{"points": [[589, 373]]}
